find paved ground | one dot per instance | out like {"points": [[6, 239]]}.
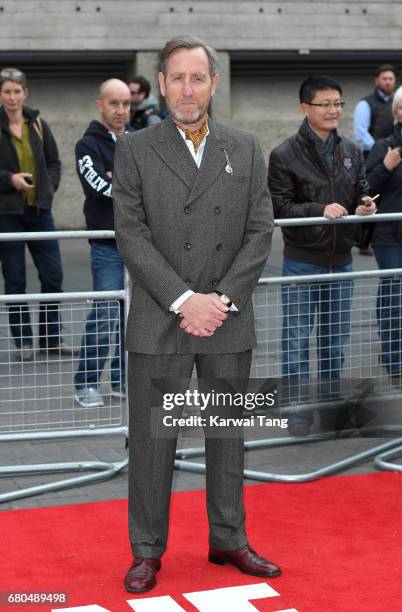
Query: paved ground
{"points": [[286, 460]]}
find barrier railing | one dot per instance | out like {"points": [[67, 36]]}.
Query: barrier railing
{"points": [[37, 397], [298, 345]]}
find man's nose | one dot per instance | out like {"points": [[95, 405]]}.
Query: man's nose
{"points": [[187, 88]]}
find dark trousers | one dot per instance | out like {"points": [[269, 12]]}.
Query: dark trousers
{"points": [[152, 457], [389, 308], [47, 260]]}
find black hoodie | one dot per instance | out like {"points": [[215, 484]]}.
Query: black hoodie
{"points": [[94, 154]]}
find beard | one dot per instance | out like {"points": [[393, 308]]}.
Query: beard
{"points": [[186, 119], [189, 117]]}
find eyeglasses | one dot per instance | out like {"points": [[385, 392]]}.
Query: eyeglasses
{"points": [[328, 105], [12, 74]]}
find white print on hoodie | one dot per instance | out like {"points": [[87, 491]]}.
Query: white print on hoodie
{"points": [[92, 177]]}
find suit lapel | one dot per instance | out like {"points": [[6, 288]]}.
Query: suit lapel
{"points": [[213, 160], [174, 153]]}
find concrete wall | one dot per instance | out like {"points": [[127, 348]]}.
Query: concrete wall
{"points": [[34, 34], [243, 24], [68, 107]]}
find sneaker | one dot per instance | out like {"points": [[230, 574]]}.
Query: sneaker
{"points": [[60, 349], [88, 397], [118, 391], [25, 353]]}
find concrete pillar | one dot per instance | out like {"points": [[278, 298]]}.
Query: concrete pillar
{"points": [[131, 68], [221, 109], [147, 65]]}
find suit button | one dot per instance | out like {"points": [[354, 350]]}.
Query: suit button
{"points": [[187, 246], [214, 282], [187, 210], [217, 210], [188, 281], [219, 247]]}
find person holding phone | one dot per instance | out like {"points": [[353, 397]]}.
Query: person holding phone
{"points": [[29, 176], [384, 174]]}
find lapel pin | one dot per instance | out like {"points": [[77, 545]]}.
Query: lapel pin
{"points": [[228, 167]]}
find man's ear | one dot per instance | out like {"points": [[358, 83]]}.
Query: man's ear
{"points": [[304, 108], [162, 83], [215, 81], [98, 105]]}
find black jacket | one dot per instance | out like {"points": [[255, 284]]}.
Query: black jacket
{"points": [[389, 185], [301, 186], [94, 154], [384, 124], [377, 104], [48, 166]]}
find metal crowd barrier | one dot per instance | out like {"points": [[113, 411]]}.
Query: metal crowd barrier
{"points": [[354, 292], [37, 397]]}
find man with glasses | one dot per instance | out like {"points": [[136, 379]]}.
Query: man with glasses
{"points": [[317, 172], [144, 108]]}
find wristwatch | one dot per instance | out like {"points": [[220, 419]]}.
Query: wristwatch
{"points": [[224, 299]]}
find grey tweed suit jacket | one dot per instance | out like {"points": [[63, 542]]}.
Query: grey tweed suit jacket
{"points": [[179, 227]]}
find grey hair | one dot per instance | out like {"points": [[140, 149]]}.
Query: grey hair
{"points": [[396, 101], [188, 41]]}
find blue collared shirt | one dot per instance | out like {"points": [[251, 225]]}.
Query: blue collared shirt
{"points": [[362, 120]]}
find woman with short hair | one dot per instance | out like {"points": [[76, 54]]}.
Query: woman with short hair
{"points": [[384, 173]]}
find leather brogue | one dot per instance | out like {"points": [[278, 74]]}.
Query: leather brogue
{"points": [[246, 560], [141, 575]]}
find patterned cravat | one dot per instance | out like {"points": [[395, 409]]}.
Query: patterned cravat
{"points": [[197, 136]]}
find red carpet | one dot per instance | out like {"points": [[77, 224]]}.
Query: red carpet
{"points": [[338, 540]]}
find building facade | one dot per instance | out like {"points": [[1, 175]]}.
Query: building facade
{"points": [[67, 48]]}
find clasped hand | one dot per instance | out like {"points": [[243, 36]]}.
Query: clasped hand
{"points": [[202, 314]]}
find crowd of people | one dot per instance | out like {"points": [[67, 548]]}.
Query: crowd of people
{"points": [[315, 172], [30, 170]]}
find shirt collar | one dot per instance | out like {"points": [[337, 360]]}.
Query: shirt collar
{"points": [[383, 95]]}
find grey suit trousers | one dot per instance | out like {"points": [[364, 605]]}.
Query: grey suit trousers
{"points": [[152, 458]]}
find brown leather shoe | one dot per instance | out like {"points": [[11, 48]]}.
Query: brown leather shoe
{"points": [[246, 559], [141, 575]]}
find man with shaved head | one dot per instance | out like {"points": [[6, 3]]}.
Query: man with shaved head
{"points": [[94, 154]]}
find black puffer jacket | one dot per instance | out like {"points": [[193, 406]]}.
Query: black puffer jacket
{"points": [[48, 166], [302, 186], [388, 183]]}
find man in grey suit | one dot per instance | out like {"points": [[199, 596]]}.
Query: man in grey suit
{"points": [[193, 221]]}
